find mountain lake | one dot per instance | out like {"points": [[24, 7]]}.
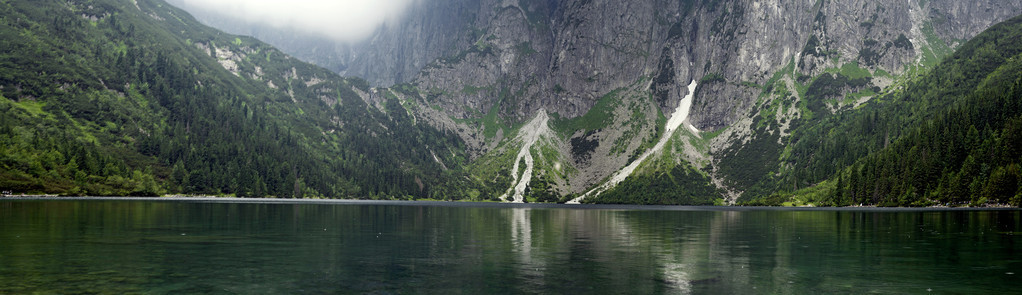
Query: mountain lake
{"points": [[255, 246]]}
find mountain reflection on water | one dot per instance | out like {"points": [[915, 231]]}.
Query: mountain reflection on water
{"points": [[104, 246]]}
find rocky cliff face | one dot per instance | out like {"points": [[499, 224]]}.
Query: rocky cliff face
{"points": [[609, 73], [516, 58], [562, 55], [583, 49]]}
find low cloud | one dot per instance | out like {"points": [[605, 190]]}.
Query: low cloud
{"points": [[341, 20]]}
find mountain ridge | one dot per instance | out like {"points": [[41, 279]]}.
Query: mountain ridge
{"points": [[611, 71], [110, 97], [173, 106]]}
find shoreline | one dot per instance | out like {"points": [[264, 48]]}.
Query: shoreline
{"points": [[216, 199]]}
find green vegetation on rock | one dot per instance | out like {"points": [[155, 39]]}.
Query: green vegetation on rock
{"points": [[950, 137]]}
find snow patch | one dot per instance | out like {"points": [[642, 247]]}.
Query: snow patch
{"points": [[528, 135], [694, 129], [679, 117], [437, 159]]}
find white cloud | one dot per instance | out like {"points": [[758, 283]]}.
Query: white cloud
{"points": [[342, 20]]}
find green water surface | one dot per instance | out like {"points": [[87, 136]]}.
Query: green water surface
{"points": [[184, 247]]}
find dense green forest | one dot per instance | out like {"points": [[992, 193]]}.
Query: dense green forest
{"points": [[662, 189], [106, 97], [951, 137]]}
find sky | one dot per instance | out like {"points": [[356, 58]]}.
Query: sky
{"points": [[341, 20]]}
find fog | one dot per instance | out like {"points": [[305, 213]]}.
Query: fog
{"points": [[340, 20]]}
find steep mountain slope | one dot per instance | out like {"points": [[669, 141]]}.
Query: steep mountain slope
{"points": [[109, 97], [666, 102], [609, 75], [950, 137]]}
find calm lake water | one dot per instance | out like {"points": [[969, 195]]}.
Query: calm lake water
{"points": [[123, 246]]}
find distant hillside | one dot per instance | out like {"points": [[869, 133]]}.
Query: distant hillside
{"points": [[123, 97]]}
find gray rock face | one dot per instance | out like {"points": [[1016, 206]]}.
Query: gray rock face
{"points": [[397, 52], [961, 20], [563, 55], [480, 62], [519, 57]]}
